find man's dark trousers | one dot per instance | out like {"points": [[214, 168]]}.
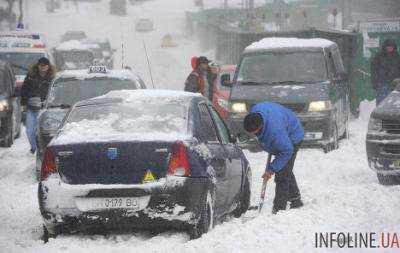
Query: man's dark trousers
{"points": [[286, 186]]}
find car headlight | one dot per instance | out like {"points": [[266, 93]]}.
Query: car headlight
{"points": [[223, 103], [239, 107], [50, 124], [318, 106], [3, 105], [374, 124]]}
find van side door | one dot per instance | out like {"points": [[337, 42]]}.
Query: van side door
{"points": [[335, 86]]}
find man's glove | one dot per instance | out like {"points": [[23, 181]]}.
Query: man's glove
{"points": [[268, 174]]}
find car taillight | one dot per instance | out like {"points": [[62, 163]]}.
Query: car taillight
{"points": [[179, 162], [49, 165]]}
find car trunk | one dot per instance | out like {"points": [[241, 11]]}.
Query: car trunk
{"points": [[112, 163]]}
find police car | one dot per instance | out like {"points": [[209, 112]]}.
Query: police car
{"points": [[71, 86], [22, 50]]}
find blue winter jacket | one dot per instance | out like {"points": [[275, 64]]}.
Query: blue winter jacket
{"points": [[282, 129]]}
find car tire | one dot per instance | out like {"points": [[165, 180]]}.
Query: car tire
{"points": [[8, 139], [335, 143], [206, 219], [244, 200], [388, 180]]}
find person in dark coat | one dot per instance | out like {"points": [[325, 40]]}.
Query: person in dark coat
{"points": [[33, 93], [280, 133], [201, 79], [385, 67]]}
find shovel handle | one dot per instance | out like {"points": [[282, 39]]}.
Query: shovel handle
{"points": [[264, 185]]}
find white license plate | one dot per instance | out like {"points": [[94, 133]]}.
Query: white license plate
{"points": [[93, 204], [396, 164]]}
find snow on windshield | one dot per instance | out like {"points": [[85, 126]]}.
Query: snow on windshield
{"points": [[128, 121]]}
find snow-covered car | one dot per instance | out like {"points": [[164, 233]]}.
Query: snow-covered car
{"points": [[71, 86], [144, 25], [73, 35], [73, 54], [305, 75], [102, 52], [383, 139], [10, 108], [168, 41], [143, 159], [118, 7]]}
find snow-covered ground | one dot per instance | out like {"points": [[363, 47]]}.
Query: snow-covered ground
{"points": [[340, 193]]}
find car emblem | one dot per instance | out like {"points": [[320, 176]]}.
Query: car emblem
{"points": [[112, 153]]}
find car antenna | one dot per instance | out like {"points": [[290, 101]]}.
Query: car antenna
{"points": [[148, 64]]}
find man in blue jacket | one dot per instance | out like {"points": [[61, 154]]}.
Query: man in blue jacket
{"points": [[280, 133]]}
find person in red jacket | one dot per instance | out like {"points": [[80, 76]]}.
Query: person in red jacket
{"points": [[201, 79]]}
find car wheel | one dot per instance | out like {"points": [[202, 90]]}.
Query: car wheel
{"points": [[244, 201], [388, 180], [206, 220], [335, 142], [8, 138]]}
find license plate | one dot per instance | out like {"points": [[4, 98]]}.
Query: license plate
{"points": [[93, 204], [396, 164]]}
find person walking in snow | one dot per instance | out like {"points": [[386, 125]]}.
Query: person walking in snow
{"points": [[385, 67], [280, 133], [201, 79], [33, 93]]}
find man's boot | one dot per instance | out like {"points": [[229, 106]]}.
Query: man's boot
{"points": [[296, 204]]}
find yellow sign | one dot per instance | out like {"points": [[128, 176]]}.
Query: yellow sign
{"points": [[148, 177]]}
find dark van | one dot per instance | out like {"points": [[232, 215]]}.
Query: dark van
{"points": [[304, 75], [383, 139]]}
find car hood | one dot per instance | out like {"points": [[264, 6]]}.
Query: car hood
{"points": [[293, 93], [389, 108]]}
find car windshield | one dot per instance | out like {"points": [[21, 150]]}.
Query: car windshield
{"points": [[283, 67], [68, 91], [139, 119], [21, 61]]}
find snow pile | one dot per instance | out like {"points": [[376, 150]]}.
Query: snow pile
{"points": [[275, 43]]}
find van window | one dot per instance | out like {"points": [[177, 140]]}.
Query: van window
{"points": [[331, 64], [337, 58], [283, 67]]}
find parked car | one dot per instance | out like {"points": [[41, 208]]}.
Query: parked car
{"points": [[168, 41], [71, 86], [143, 159], [73, 54], [383, 139], [118, 7], [304, 75], [221, 89], [73, 35], [10, 109], [144, 25], [102, 52]]}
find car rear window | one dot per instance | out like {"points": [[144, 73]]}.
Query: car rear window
{"points": [[138, 120]]}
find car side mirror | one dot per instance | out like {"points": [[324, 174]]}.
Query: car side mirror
{"points": [[226, 80], [339, 77]]}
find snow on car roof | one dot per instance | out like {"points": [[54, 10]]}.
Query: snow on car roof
{"points": [[73, 45], [276, 43], [82, 74], [134, 95]]}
